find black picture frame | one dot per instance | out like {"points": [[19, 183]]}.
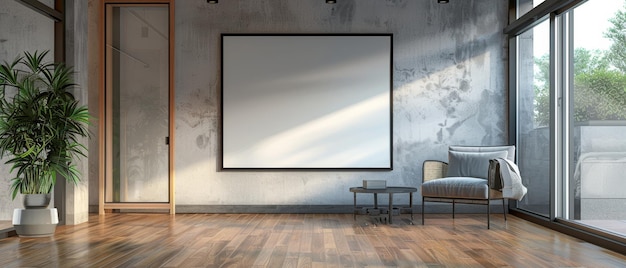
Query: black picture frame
{"points": [[306, 101]]}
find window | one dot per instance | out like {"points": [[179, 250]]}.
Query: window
{"points": [[597, 159], [533, 116], [569, 82]]}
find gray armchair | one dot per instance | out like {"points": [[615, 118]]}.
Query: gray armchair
{"points": [[464, 179]]}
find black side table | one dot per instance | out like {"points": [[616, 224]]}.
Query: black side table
{"points": [[389, 190]]}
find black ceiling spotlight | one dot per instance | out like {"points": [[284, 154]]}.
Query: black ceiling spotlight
{"points": [[331, 1], [212, 1], [443, 1]]}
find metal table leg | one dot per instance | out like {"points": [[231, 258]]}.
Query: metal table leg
{"points": [[390, 212], [411, 205], [375, 201], [354, 208]]}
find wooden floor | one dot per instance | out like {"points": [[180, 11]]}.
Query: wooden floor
{"points": [[302, 240]]}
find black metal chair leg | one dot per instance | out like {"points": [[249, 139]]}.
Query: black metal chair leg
{"points": [[423, 205], [503, 209], [453, 203], [488, 215]]}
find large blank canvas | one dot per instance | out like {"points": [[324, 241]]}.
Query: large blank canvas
{"points": [[306, 101]]}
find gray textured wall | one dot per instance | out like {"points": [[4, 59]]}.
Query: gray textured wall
{"points": [[76, 197], [449, 88]]}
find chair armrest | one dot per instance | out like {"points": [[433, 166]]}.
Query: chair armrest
{"points": [[434, 169]]}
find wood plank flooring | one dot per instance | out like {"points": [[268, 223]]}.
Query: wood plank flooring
{"points": [[302, 240]]}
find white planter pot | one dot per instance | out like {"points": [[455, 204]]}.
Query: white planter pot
{"points": [[35, 222], [36, 219]]}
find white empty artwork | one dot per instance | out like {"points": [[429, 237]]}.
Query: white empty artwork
{"points": [[306, 101]]}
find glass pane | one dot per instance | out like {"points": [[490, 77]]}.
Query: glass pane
{"points": [[598, 161], [534, 117], [137, 94]]}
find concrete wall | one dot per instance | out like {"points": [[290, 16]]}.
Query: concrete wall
{"points": [[76, 197], [22, 29], [449, 88]]}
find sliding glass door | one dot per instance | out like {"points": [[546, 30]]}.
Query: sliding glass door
{"points": [[597, 116], [137, 106], [570, 107], [533, 117]]}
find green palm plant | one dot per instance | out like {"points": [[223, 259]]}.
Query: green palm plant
{"points": [[40, 123]]}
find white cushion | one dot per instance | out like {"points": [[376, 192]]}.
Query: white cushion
{"points": [[483, 149]]}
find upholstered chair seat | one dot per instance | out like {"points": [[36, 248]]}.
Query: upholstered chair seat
{"points": [[459, 187], [464, 178]]}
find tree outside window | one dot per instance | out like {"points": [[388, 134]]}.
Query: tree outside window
{"points": [[599, 78]]}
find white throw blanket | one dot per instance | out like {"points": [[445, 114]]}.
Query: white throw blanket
{"points": [[504, 176]]}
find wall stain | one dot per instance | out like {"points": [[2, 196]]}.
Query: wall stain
{"points": [[492, 126], [396, 3], [197, 109], [344, 11], [202, 141], [404, 75], [454, 127]]}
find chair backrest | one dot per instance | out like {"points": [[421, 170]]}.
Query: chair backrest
{"points": [[510, 149], [473, 161]]}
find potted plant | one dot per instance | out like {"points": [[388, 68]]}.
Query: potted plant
{"points": [[40, 125]]}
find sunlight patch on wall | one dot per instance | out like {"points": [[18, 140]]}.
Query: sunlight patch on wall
{"points": [[315, 143]]}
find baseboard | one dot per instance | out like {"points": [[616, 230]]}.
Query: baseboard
{"points": [[431, 208], [330, 209], [310, 209]]}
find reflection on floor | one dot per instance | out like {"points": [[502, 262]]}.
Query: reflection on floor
{"points": [[617, 227]]}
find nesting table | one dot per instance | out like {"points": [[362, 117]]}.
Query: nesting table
{"points": [[390, 191]]}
